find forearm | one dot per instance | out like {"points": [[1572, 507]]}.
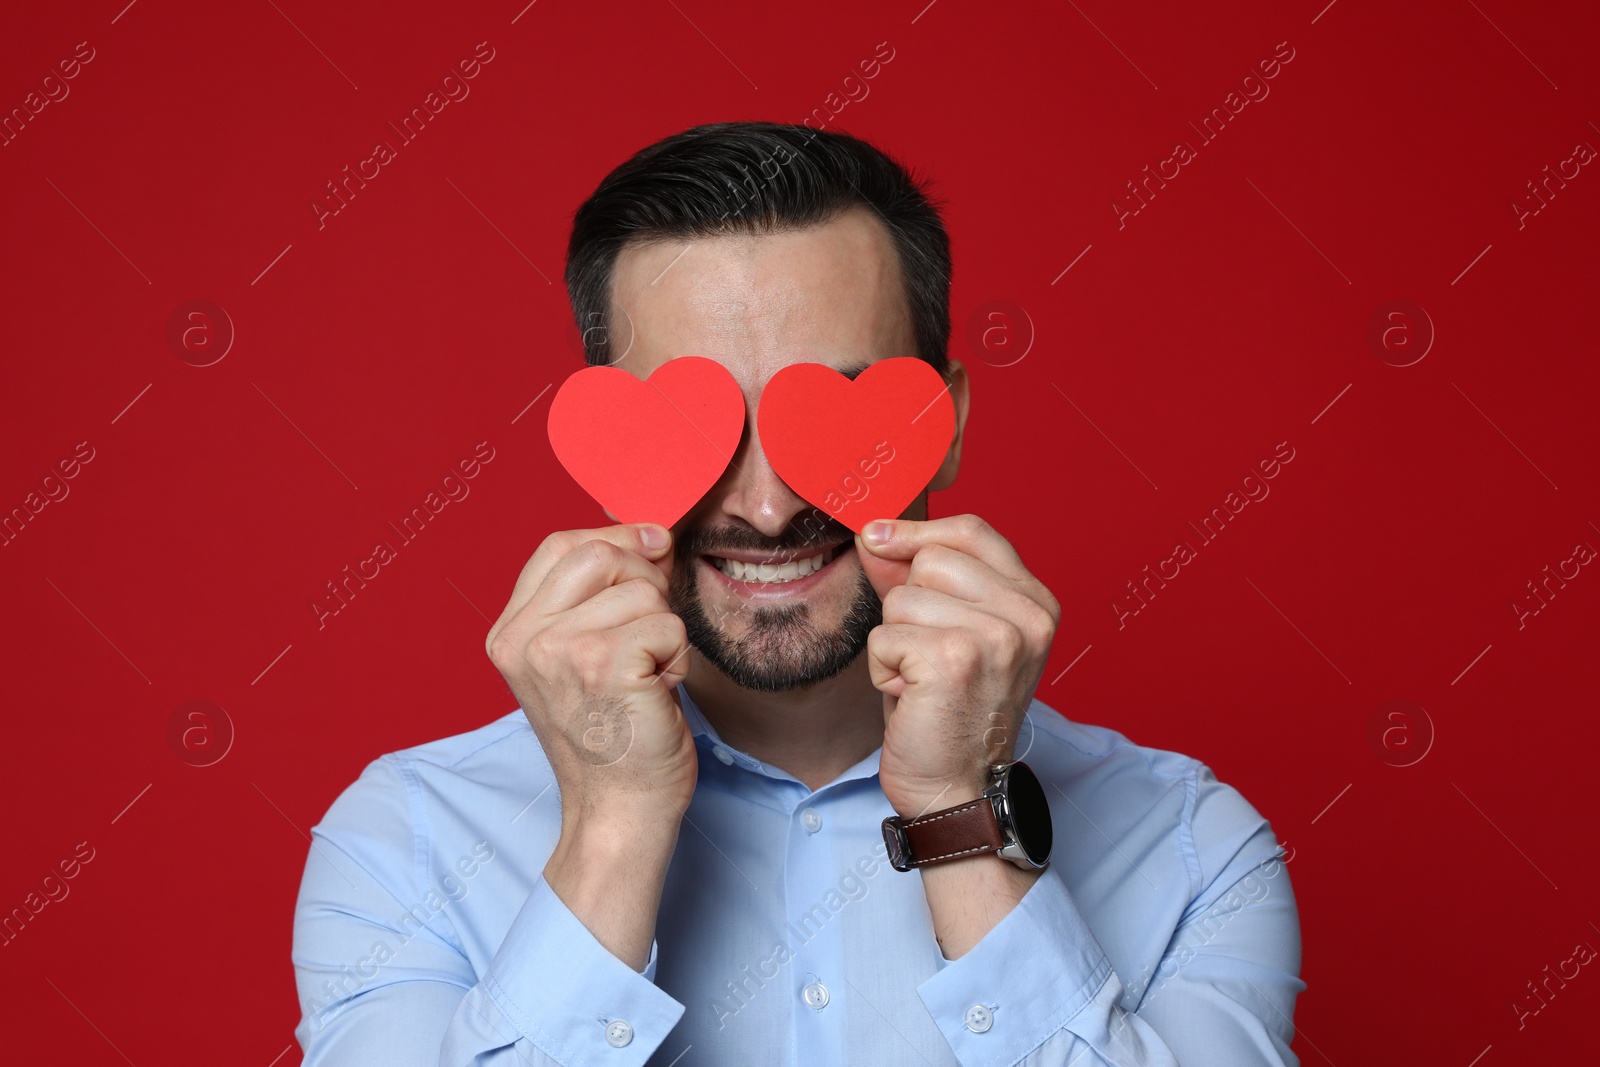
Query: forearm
{"points": [[609, 871], [969, 897]]}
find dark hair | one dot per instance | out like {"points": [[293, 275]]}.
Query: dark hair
{"points": [[757, 178]]}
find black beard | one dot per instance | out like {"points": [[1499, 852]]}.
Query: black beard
{"points": [[783, 649]]}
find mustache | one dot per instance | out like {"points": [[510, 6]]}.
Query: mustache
{"points": [[816, 531]]}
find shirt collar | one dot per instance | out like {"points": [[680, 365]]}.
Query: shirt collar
{"points": [[706, 737], [698, 724]]}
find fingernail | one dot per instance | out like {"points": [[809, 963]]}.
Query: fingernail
{"points": [[654, 537], [878, 532]]}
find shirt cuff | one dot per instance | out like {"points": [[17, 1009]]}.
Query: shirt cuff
{"points": [[1025, 980], [570, 996]]}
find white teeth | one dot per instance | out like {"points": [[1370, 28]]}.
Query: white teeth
{"points": [[766, 573]]}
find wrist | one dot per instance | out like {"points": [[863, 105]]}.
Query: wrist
{"points": [[621, 832], [597, 859], [912, 803], [611, 880], [969, 899], [1010, 816]]}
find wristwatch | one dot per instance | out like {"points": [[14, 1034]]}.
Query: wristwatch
{"points": [[1011, 819]]}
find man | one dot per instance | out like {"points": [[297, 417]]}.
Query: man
{"points": [[673, 851]]}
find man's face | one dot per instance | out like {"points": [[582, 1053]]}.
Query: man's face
{"points": [[826, 294]]}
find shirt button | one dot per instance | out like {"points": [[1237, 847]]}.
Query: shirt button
{"points": [[619, 1033], [723, 754], [816, 995], [979, 1019], [811, 820]]}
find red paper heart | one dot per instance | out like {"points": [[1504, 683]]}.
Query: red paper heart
{"points": [[648, 450], [859, 450]]}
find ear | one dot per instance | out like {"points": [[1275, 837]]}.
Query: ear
{"points": [[959, 394]]}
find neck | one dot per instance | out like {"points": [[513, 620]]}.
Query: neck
{"points": [[815, 734]]}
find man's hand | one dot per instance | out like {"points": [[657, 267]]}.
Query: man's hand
{"points": [[966, 633], [593, 652]]}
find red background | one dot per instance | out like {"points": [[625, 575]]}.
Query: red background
{"points": [[1226, 317]]}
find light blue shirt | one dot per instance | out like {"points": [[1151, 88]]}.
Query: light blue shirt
{"points": [[1164, 930]]}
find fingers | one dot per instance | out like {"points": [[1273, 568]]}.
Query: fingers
{"points": [[618, 606], [605, 550], [895, 658], [656, 645], [952, 639], [883, 573], [913, 605], [965, 533], [959, 575], [586, 570], [964, 557]]}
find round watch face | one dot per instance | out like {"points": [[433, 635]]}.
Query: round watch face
{"points": [[1030, 812]]}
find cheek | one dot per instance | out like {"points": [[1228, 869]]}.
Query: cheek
{"points": [[683, 584]]}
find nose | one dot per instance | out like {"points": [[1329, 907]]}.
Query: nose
{"points": [[752, 491]]}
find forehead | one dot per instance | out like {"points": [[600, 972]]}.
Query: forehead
{"points": [[829, 293]]}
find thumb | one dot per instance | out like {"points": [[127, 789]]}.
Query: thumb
{"points": [[662, 554], [884, 574]]}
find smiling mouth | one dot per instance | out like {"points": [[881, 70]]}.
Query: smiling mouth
{"points": [[776, 573]]}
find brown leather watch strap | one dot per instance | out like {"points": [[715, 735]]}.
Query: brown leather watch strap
{"points": [[964, 830]]}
